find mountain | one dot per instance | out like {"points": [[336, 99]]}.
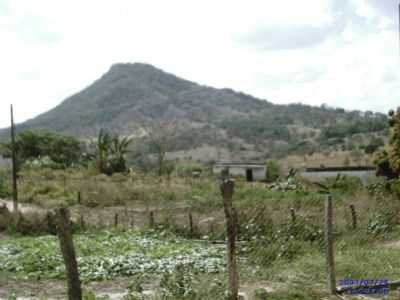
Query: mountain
{"points": [[219, 123]]}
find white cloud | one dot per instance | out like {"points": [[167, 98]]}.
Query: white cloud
{"points": [[52, 49]]}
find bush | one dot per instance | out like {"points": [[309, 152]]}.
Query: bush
{"points": [[287, 242], [395, 188], [273, 171], [5, 184], [382, 223], [177, 285], [345, 183]]}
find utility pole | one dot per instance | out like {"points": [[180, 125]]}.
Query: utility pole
{"points": [[14, 164]]}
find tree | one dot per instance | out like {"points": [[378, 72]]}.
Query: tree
{"points": [[119, 150], [102, 150], [394, 141], [373, 145], [273, 171], [64, 151], [388, 160], [110, 153], [161, 134]]}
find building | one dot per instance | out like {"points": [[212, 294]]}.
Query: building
{"points": [[325, 172], [251, 171]]}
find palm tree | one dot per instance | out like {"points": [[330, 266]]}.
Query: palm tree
{"points": [[119, 149], [102, 151]]}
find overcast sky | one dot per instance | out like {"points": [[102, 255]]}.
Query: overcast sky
{"points": [[343, 53]]}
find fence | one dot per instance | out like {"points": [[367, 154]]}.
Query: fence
{"points": [[323, 241]]}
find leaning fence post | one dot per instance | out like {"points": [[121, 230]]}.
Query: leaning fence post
{"points": [[353, 216], [330, 261], [14, 165], [132, 219], [68, 252], [227, 189], [82, 222], [116, 219], [191, 230], [151, 218], [292, 215]]}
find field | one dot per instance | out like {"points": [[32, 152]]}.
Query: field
{"points": [[142, 237]]}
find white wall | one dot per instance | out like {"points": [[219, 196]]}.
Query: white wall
{"points": [[259, 172], [364, 175]]}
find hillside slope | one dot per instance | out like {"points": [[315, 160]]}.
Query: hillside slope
{"points": [[219, 123]]}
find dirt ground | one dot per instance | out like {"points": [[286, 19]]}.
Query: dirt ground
{"points": [[29, 290]]}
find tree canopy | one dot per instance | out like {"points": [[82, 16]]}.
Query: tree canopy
{"points": [[110, 153], [63, 150], [388, 160]]}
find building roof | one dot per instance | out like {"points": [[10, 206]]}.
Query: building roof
{"points": [[338, 169], [250, 164]]}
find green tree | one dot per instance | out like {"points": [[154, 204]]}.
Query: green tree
{"points": [[394, 141], [64, 151], [388, 160], [102, 151], [119, 150], [110, 153], [273, 171]]}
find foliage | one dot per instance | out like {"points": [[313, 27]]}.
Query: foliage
{"points": [[187, 168], [381, 223], [285, 242], [5, 184], [395, 188], [273, 171], [62, 151], [110, 153], [383, 165], [108, 254], [388, 160], [394, 141], [177, 284], [161, 134], [89, 295], [373, 145], [351, 127], [344, 183]]}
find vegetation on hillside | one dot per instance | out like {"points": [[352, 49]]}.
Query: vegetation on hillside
{"points": [[130, 96]]}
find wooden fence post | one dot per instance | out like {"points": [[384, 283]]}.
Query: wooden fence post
{"points": [[151, 218], [79, 197], [227, 189], [82, 222], [14, 165], [132, 219], [64, 178], [353, 216], [68, 252], [191, 229], [330, 260], [292, 215], [116, 219]]}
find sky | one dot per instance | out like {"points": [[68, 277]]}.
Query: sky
{"points": [[342, 53]]}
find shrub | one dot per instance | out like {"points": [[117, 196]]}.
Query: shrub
{"points": [[344, 183], [178, 284], [5, 185], [395, 188], [382, 223], [273, 171]]}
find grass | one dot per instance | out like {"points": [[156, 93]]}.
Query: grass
{"points": [[274, 252]]}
